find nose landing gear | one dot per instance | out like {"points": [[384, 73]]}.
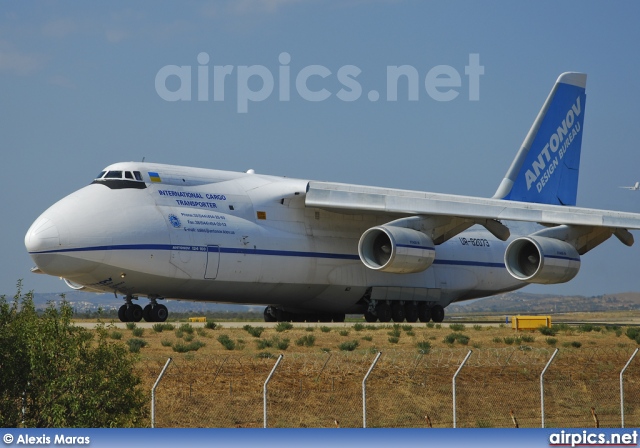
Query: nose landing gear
{"points": [[153, 312]]}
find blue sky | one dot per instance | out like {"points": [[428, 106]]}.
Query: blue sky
{"points": [[78, 92]]}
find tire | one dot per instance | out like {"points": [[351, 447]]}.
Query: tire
{"points": [[411, 312], [267, 315], [397, 312], [370, 317], [424, 313], [134, 313], [159, 313], [338, 317], [147, 313], [384, 312], [437, 313], [122, 313]]}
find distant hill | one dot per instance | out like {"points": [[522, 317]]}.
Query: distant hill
{"points": [[519, 302], [516, 302]]}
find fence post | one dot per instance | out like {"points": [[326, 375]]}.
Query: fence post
{"points": [[364, 391], [542, 384], [454, 385], [264, 397], [622, 386], [153, 393]]}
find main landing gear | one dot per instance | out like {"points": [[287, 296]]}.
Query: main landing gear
{"points": [[398, 311], [153, 312]]}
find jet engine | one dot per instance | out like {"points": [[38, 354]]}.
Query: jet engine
{"points": [[536, 259], [396, 249]]}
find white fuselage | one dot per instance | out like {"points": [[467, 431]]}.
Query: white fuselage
{"points": [[219, 236]]}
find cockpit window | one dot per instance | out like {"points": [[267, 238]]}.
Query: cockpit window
{"points": [[100, 175], [128, 175], [137, 175], [113, 175]]}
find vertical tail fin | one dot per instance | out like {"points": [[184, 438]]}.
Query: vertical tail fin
{"points": [[546, 167]]}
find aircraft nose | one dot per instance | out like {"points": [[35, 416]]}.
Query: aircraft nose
{"points": [[42, 236]]}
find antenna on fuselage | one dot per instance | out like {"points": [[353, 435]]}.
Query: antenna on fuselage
{"points": [[143, 158]]}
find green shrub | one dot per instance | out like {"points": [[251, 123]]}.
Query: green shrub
{"points": [[181, 347], [633, 332], [343, 332], [166, 343], [497, 340], [131, 325], [459, 337], [325, 329], [281, 344], [210, 325], [253, 331], [226, 342], [138, 332], [456, 327], [527, 338], [186, 328], [160, 327], [348, 346], [358, 326], [309, 329], [477, 327], [188, 337], [263, 343], [407, 328], [395, 333], [424, 347], [551, 341], [265, 355], [283, 326], [367, 338], [430, 325], [547, 331], [201, 332], [410, 333], [116, 335], [136, 344], [307, 340], [393, 339]]}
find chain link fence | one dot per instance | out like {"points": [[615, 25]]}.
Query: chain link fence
{"points": [[495, 388]]}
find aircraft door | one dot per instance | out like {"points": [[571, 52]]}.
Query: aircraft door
{"points": [[213, 262]]}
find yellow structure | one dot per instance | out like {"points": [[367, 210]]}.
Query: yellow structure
{"points": [[197, 319], [532, 323]]}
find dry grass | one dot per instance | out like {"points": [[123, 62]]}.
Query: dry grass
{"points": [[317, 383]]}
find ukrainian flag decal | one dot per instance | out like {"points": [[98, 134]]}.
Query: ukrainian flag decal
{"points": [[155, 177]]}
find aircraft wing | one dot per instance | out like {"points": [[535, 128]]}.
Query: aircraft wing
{"points": [[347, 198]]}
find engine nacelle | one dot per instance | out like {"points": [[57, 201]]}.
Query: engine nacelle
{"points": [[396, 249], [537, 259]]}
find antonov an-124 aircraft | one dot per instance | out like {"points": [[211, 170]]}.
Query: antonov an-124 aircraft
{"points": [[315, 251]]}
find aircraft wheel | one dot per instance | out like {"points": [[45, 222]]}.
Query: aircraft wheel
{"points": [[397, 312], [146, 313], [282, 316], [384, 312], [122, 313], [134, 313], [437, 313], [411, 312], [370, 317], [267, 315], [424, 312], [325, 317], [159, 313]]}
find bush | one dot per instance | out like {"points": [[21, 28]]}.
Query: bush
{"points": [[253, 331], [395, 333], [138, 332], [210, 325], [348, 346], [343, 332], [424, 347], [226, 342], [309, 329], [263, 343], [358, 327], [166, 343], [265, 355], [283, 326], [527, 338], [547, 331], [131, 325], [477, 327], [116, 335], [281, 344], [407, 328], [459, 337], [456, 327], [186, 328], [160, 327], [632, 333], [181, 347], [64, 375], [325, 329], [136, 344], [307, 340], [393, 339], [367, 338], [551, 341]]}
